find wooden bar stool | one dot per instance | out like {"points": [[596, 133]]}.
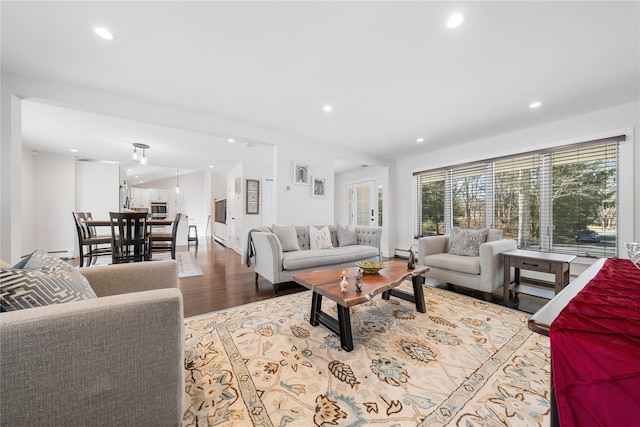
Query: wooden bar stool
{"points": [[194, 237]]}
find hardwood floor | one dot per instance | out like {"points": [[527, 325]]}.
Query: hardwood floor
{"points": [[226, 282]]}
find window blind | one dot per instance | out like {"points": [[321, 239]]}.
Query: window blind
{"points": [[562, 199]]}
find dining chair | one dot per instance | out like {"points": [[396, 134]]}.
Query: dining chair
{"points": [[128, 237], [90, 246], [159, 242]]}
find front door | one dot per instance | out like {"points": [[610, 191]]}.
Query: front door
{"points": [[362, 203]]}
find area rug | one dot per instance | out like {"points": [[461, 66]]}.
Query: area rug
{"points": [[465, 362], [187, 264]]}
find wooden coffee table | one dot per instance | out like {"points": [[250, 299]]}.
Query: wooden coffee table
{"points": [[326, 283]]}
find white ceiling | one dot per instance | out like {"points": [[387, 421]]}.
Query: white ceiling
{"points": [[392, 71]]}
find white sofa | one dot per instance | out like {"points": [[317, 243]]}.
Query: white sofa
{"points": [[484, 273], [278, 266]]}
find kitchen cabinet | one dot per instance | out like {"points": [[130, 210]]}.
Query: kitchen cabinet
{"points": [[156, 195], [139, 197]]}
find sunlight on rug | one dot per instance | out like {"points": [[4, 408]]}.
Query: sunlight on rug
{"points": [[463, 363]]}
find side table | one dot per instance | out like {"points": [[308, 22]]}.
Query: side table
{"points": [[544, 262]]}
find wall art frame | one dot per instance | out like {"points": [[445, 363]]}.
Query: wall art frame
{"points": [[252, 197], [319, 187], [301, 173]]}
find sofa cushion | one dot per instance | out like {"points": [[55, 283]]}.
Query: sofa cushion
{"points": [[347, 236], [467, 242], [320, 239], [41, 280], [462, 264], [321, 257], [287, 236]]}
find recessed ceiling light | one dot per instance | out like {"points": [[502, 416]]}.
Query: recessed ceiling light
{"points": [[104, 33], [535, 104], [73, 150], [136, 176], [211, 166], [455, 20], [420, 140], [327, 108], [231, 140]]}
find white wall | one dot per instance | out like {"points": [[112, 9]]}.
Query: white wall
{"points": [[623, 119], [297, 206], [54, 202], [28, 208], [98, 189]]}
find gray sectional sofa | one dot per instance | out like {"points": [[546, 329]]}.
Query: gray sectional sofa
{"points": [[264, 250]]}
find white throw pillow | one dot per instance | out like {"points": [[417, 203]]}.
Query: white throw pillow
{"points": [[320, 239]]}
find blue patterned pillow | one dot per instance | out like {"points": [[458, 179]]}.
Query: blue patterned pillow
{"points": [[40, 280]]}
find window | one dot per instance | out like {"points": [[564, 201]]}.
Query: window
{"points": [[561, 200]]}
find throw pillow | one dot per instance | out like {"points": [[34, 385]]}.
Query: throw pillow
{"points": [[43, 280], [452, 235], [346, 236], [287, 236], [320, 239], [467, 242]]}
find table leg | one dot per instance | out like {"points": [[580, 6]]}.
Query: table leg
{"points": [[316, 307], [507, 280], [418, 294], [344, 323]]}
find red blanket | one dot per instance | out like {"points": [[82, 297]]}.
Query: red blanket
{"points": [[595, 350]]}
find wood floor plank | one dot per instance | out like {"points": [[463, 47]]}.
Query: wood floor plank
{"points": [[225, 283]]}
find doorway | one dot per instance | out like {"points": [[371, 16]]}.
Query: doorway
{"points": [[362, 203]]}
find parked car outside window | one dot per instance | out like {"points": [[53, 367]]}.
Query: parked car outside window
{"points": [[587, 236]]}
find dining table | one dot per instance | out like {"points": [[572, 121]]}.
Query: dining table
{"points": [[107, 222]]}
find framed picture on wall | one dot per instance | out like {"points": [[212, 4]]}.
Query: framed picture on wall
{"points": [[253, 197], [300, 173], [319, 187]]}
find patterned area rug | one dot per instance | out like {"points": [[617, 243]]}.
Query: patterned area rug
{"points": [[463, 363]]}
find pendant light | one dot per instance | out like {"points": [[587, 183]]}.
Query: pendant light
{"points": [[137, 157], [177, 183]]}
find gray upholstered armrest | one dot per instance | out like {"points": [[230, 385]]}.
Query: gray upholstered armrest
{"points": [[133, 277], [430, 245], [268, 258], [108, 361], [491, 264]]}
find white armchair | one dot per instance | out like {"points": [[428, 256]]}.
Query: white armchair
{"points": [[484, 273]]}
